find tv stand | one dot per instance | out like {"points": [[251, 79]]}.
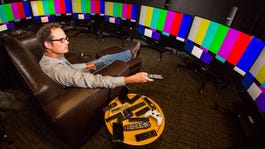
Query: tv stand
{"points": [[156, 45], [120, 31], [252, 122], [202, 70], [3, 136]]}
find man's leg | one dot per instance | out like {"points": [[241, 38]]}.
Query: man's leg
{"points": [[124, 56]]}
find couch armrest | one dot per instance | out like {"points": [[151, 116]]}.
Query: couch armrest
{"points": [[75, 114], [117, 68]]}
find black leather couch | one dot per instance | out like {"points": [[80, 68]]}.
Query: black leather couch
{"points": [[74, 113]]}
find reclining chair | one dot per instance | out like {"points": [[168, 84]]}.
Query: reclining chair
{"points": [[75, 113]]}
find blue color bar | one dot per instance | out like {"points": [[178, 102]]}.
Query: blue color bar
{"points": [[185, 26], [68, 6], [252, 52], [134, 12]]}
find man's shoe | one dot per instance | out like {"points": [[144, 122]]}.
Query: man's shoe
{"points": [[134, 51]]}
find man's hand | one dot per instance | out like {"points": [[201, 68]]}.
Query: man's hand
{"points": [[91, 66], [138, 78]]}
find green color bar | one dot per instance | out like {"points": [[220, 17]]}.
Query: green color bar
{"points": [[161, 20], [9, 12], [87, 6], [119, 8], [51, 7], [219, 38]]}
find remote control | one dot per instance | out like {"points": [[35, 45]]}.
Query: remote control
{"points": [[136, 126], [110, 106], [145, 135], [125, 117], [142, 111], [139, 119], [155, 76], [118, 115], [121, 108], [135, 98], [149, 103], [134, 107]]}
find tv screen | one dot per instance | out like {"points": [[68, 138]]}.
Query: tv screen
{"points": [[254, 81], [51, 7], [12, 13], [154, 22], [47, 9], [115, 12], [225, 43], [88, 7]]}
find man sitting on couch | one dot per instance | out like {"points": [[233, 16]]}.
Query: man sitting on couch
{"points": [[53, 63]]}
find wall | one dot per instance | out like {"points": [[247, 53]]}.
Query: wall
{"points": [[250, 17], [216, 10]]}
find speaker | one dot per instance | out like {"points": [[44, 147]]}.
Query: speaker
{"points": [[231, 16]]}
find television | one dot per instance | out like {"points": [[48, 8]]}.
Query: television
{"points": [[155, 22], [116, 12], [12, 13], [47, 10], [208, 39], [245, 53], [254, 81], [82, 9]]}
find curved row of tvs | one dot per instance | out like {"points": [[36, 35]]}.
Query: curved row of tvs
{"points": [[203, 38]]}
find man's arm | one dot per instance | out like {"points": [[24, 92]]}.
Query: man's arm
{"points": [[137, 78]]}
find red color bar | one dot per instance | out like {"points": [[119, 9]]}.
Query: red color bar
{"points": [[238, 48], [21, 10], [129, 11], [97, 5], [176, 24], [62, 7]]}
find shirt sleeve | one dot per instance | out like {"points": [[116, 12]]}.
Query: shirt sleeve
{"points": [[79, 66], [67, 76]]}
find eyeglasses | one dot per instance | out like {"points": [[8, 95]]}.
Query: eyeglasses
{"points": [[62, 40]]}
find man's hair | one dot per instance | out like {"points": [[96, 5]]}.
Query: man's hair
{"points": [[44, 32]]}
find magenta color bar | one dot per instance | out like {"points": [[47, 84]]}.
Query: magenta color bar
{"points": [[169, 21], [228, 43], [262, 88], [15, 11], [57, 7], [124, 10], [93, 6], [204, 49]]}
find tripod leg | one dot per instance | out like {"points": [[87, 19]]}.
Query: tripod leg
{"points": [[3, 136], [224, 110]]}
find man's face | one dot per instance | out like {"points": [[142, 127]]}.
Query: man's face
{"points": [[59, 42]]}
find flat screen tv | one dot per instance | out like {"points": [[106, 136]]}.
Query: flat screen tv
{"points": [[12, 13], [210, 39], [82, 9], [115, 12], [245, 53], [47, 10], [254, 81], [154, 22]]}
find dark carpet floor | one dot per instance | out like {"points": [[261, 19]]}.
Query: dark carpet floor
{"points": [[191, 121]]}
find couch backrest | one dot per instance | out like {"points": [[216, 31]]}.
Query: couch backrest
{"points": [[32, 44], [25, 62]]}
